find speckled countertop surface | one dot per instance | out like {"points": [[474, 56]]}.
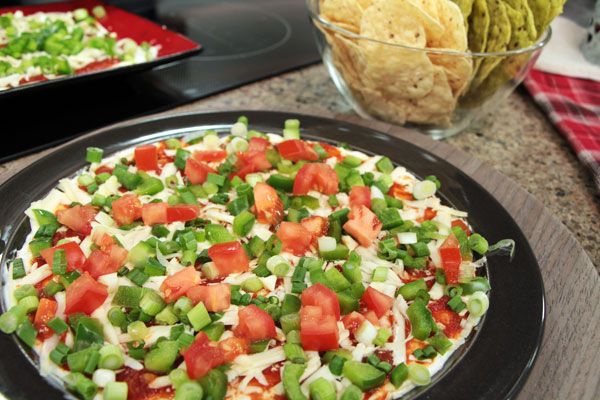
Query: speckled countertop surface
{"points": [[517, 140]]}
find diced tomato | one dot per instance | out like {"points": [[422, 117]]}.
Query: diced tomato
{"points": [[146, 157], [103, 169], [197, 171], [316, 176], [182, 212], [250, 162], [377, 302], [429, 214], [105, 262], [233, 347], [255, 324], [462, 225], [154, 213], [97, 66], [127, 209], [451, 259], [414, 344], [294, 238], [400, 192], [363, 225], [102, 240], [318, 330], [84, 295], [73, 253], [229, 258], [446, 316], [332, 151], [202, 356], [316, 225], [179, 283], [215, 297], [269, 207], [258, 144], [78, 218], [296, 150], [360, 196], [371, 317], [319, 295], [210, 155], [352, 321], [45, 312]]}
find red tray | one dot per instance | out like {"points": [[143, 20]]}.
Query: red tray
{"points": [[173, 46]]}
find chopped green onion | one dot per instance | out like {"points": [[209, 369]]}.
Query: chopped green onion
{"points": [[59, 262], [380, 274], [383, 334], [419, 374], [456, 304], [252, 285], [58, 325], [83, 386], [384, 165], [27, 333], [25, 291], [351, 161], [198, 316], [336, 365], [322, 389], [94, 155], [115, 391], [152, 303], [478, 304], [18, 268], [243, 223], [399, 375], [189, 390], [111, 357], [137, 330], [478, 244], [290, 322], [294, 353], [424, 189]]}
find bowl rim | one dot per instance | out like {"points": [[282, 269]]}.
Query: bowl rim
{"points": [[539, 44]]}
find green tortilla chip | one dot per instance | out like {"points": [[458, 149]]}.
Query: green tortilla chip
{"points": [[498, 38], [479, 25], [541, 12], [525, 21], [466, 7]]}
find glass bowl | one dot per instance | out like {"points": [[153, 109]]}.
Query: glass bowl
{"points": [[439, 92]]}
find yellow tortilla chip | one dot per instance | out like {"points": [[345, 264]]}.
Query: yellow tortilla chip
{"points": [[455, 34], [347, 12]]}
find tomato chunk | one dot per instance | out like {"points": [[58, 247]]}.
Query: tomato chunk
{"points": [[332, 151], [363, 225], [258, 144], [210, 155], [229, 258], [84, 295], [179, 283], [215, 297], [45, 312], [233, 347], [319, 295], [202, 356], [377, 302], [429, 214], [352, 321], [154, 213], [197, 171], [182, 212], [462, 225], [77, 218], [127, 209], [250, 162], [318, 331], [294, 238], [360, 196], [446, 316], [105, 262], [296, 150], [317, 226], [73, 253], [451, 258], [146, 157], [269, 207], [318, 176], [255, 324], [400, 192]]}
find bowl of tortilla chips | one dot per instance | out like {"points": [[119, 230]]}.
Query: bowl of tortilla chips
{"points": [[437, 65]]}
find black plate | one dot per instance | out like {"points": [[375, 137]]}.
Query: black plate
{"points": [[492, 365]]}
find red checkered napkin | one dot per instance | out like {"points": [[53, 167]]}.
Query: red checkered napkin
{"points": [[573, 106]]}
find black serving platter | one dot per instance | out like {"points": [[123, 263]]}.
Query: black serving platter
{"points": [[493, 364]]}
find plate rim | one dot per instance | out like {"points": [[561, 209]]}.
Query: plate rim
{"points": [[227, 118]]}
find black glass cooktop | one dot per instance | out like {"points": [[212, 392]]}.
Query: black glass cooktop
{"points": [[243, 41]]}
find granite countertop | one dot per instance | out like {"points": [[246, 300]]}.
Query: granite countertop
{"points": [[517, 140]]}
